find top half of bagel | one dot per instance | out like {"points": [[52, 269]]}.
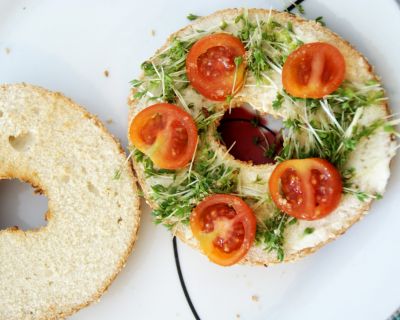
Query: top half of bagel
{"points": [[93, 215], [356, 112]]}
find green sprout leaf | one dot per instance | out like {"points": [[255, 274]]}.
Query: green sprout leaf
{"points": [[192, 17]]}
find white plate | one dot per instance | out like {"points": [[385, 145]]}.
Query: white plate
{"points": [[67, 45]]}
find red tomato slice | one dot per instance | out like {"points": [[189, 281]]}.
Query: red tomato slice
{"points": [[166, 133], [307, 189], [225, 227], [211, 68], [313, 71]]}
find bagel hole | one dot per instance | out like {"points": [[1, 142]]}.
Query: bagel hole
{"points": [[21, 142], [21, 206], [250, 136]]}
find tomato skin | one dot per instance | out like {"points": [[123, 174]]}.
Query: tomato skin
{"points": [[314, 70], [225, 226], [306, 189], [166, 133], [211, 69]]}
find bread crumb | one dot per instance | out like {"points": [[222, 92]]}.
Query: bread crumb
{"points": [[48, 215], [7, 50], [106, 73], [109, 121], [237, 316], [255, 298], [152, 32]]}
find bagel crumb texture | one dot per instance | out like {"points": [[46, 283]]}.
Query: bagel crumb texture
{"points": [[66, 153]]}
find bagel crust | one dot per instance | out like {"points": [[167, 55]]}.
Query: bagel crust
{"points": [[66, 153], [370, 159]]}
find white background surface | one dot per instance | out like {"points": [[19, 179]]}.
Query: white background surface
{"points": [[67, 45]]}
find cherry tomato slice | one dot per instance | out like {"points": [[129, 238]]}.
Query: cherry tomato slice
{"points": [[211, 67], [307, 189], [166, 133], [313, 71], [225, 227]]}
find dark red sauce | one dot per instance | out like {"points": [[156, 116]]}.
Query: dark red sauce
{"points": [[255, 142]]}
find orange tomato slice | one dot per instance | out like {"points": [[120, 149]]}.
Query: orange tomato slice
{"points": [[313, 71], [225, 226], [211, 66], [307, 189], [166, 133]]}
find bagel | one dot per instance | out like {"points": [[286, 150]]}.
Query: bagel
{"points": [[367, 165], [67, 154]]}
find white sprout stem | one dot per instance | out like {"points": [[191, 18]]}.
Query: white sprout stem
{"points": [[227, 151], [252, 192], [269, 15], [178, 73], [280, 223], [365, 88], [357, 116], [223, 157], [197, 34], [230, 106], [368, 195], [250, 41], [257, 86], [234, 79], [325, 106], [274, 50], [258, 204], [171, 214], [349, 189], [265, 139], [119, 171], [258, 28], [209, 119], [193, 182], [394, 122], [274, 66], [147, 92], [310, 127], [256, 33], [181, 81], [270, 80], [161, 78], [392, 115], [169, 195], [183, 102], [239, 185], [194, 154]]}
